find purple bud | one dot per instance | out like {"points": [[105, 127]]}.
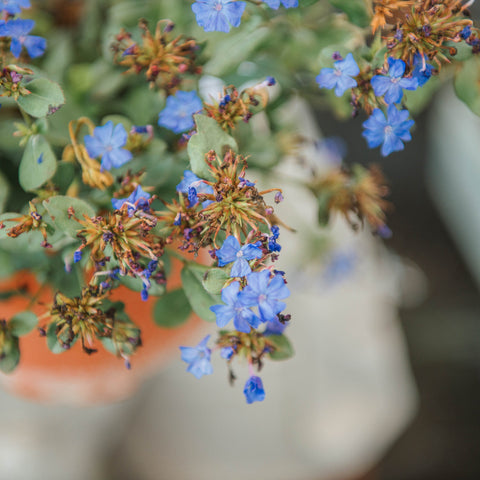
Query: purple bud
{"points": [[336, 56], [384, 232], [271, 81], [278, 197], [16, 77], [398, 35]]}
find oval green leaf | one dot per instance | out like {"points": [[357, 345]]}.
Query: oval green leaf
{"points": [[11, 356], [214, 280], [199, 299], [23, 323], [38, 163], [209, 136], [57, 208], [172, 310], [283, 347], [46, 97]]}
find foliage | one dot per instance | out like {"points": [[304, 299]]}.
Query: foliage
{"points": [[105, 122]]}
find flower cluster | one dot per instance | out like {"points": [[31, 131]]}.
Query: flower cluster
{"points": [[357, 195], [417, 32], [166, 60], [234, 106], [90, 317], [390, 132], [423, 27], [105, 204], [252, 291]]}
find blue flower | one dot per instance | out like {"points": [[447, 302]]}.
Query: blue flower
{"points": [[388, 133], [218, 15], [227, 353], [265, 294], [177, 115], [231, 251], [190, 180], [286, 3], [198, 358], [339, 77], [13, 7], [253, 390], [274, 327], [393, 85], [422, 70], [339, 266], [137, 200], [107, 142], [18, 31], [243, 317]]}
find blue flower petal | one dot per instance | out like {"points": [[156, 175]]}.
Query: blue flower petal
{"points": [[228, 252], [253, 390], [240, 268]]}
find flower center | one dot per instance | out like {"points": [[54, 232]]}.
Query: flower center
{"points": [[338, 72], [218, 6], [388, 130], [262, 298], [239, 254]]}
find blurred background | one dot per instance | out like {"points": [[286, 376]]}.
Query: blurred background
{"points": [[386, 381]]}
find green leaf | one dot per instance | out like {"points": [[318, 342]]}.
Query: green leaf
{"points": [[172, 310], [4, 191], [200, 300], [234, 49], [209, 136], [416, 101], [38, 163], [467, 84], [11, 355], [64, 176], [45, 98], [23, 323], [356, 11], [283, 347], [57, 208], [214, 280], [8, 267], [323, 209], [135, 284]]}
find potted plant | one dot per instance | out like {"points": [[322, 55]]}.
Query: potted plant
{"points": [[122, 173]]}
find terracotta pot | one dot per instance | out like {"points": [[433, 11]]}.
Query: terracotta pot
{"points": [[74, 377]]}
